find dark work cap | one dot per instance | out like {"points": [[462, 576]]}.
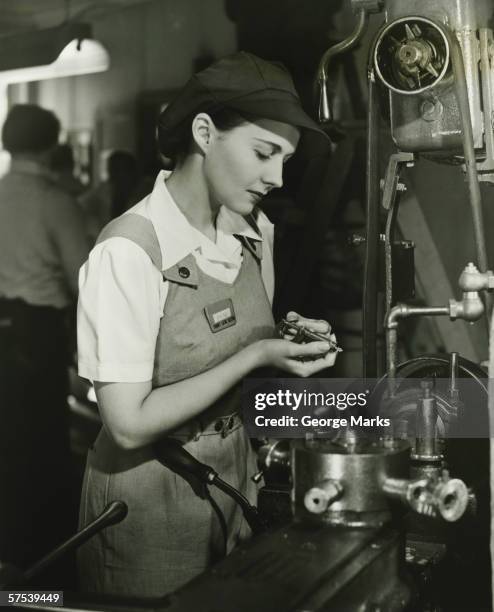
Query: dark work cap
{"points": [[245, 83]]}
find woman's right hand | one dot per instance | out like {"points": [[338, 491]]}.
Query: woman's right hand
{"points": [[287, 355]]}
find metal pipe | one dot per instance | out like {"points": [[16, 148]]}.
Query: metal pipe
{"points": [[388, 257], [469, 154], [388, 253], [369, 306], [425, 426], [348, 43], [470, 308], [453, 377], [403, 489], [390, 202], [401, 311]]}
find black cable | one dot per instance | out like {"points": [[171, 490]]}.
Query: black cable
{"points": [[221, 519], [250, 512], [171, 453]]}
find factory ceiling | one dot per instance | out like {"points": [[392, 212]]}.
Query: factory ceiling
{"points": [[27, 14]]}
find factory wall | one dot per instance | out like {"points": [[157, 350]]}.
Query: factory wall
{"points": [[152, 47]]}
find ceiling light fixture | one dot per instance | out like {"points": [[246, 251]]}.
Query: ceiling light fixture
{"points": [[66, 50]]}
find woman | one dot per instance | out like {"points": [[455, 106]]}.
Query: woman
{"points": [[174, 311]]}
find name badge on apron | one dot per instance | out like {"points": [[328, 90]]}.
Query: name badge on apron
{"points": [[220, 315]]}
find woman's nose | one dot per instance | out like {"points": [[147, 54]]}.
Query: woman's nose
{"points": [[273, 174]]}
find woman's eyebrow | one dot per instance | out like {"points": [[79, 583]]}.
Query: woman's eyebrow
{"points": [[276, 147]]}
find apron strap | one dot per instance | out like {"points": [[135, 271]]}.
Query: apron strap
{"points": [[138, 229], [253, 246]]}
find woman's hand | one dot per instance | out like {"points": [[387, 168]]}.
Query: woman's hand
{"points": [[287, 356], [135, 414]]}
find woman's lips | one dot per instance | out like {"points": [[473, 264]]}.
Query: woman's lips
{"points": [[257, 195]]}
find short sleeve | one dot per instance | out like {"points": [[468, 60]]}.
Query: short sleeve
{"points": [[121, 297]]}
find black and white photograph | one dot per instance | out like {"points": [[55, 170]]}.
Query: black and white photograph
{"points": [[246, 300]]}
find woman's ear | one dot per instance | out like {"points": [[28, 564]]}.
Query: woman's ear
{"points": [[203, 131]]}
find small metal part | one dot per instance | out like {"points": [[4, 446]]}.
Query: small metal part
{"points": [[370, 6], [431, 110], [451, 499], [302, 335], [347, 438], [391, 181], [274, 454], [473, 280], [470, 308], [445, 497], [453, 378], [257, 476], [320, 497], [403, 489], [356, 240], [425, 426]]}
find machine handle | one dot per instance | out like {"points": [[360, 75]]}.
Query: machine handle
{"points": [[171, 453], [114, 513]]}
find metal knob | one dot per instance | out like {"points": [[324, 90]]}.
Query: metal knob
{"points": [[318, 499], [445, 497], [451, 499]]}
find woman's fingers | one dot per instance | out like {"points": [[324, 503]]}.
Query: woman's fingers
{"points": [[311, 349], [299, 359], [312, 358], [292, 316], [319, 326]]}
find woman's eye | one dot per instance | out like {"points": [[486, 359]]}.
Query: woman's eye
{"points": [[262, 156]]}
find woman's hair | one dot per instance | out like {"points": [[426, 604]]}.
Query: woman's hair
{"points": [[175, 145], [30, 129]]}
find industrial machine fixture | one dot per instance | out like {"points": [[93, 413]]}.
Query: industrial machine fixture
{"points": [[434, 62]]}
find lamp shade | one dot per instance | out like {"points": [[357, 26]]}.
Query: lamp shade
{"points": [[47, 54]]}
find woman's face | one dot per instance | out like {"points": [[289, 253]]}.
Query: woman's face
{"points": [[245, 163]]}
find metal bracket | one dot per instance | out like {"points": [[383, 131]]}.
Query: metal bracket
{"points": [[390, 185], [369, 6]]}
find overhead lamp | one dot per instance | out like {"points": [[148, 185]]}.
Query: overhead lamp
{"points": [[65, 50]]}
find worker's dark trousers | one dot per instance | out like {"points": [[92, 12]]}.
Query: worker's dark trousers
{"points": [[36, 500]]}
